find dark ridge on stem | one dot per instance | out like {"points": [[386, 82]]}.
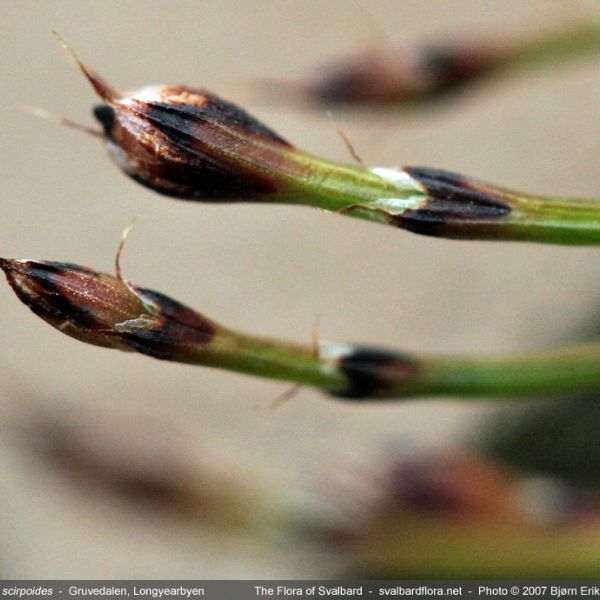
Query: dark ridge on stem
{"points": [[372, 372], [457, 206]]}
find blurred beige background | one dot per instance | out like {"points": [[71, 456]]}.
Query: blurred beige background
{"points": [[270, 270]]}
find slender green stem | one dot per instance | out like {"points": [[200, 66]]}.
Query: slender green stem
{"points": [[348, 370], [103, 310], [444, 204], [558, 45], [576, 367], [426, 201], [268, 358], [190, 144], [555, 220], [450, 548], [337, 187]]}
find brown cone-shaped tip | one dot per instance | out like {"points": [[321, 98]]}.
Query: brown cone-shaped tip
{"points": [[189, 143], [106, 311], [78, 301]]}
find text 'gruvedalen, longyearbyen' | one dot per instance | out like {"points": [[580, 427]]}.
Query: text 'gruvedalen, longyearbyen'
{"points": [[147, 592]]}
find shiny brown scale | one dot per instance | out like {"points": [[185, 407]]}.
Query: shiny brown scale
{"points": [[80, 302], [106, 311], [190, 144]]}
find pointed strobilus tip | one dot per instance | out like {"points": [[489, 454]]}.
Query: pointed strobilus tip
{"points": [[104, 310], [78, 301], [13, 267], [188, 143]]}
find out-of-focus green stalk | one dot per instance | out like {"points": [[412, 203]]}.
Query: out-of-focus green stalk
{"points": [[409, 75], [561, 44], [429, 547]]}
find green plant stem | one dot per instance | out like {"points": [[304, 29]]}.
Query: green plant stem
{"points": [[104, 310], [557, 45], [449, 549], [404, 376], [423, 200], [442, 204], [190, 144], [571, 368]]}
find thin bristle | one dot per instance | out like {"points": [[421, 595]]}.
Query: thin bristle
{"points": [[105, 91], [353, 153], [120, 249], [48, 116]]}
